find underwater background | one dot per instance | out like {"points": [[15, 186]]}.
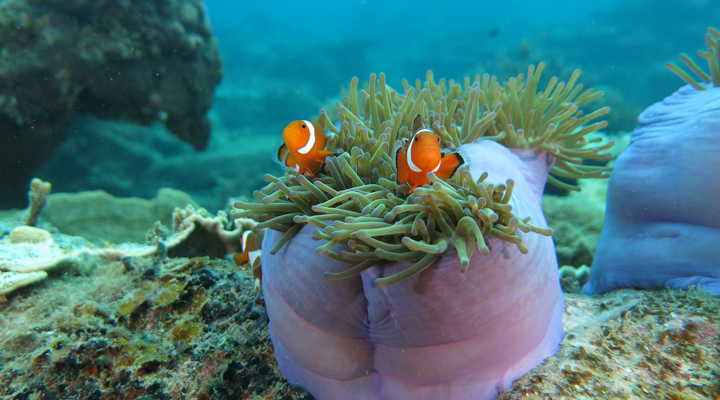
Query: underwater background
{"points": [[150, 119], [285, 62]]}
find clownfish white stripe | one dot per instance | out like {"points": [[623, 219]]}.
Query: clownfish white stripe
{"points": [[253, 256], [244, 238], [438, 166], [410, 162], [311, 141]]}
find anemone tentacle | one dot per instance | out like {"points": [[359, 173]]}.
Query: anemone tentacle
{"points": [[355, 200]]}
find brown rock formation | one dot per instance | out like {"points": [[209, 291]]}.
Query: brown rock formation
{"points": [[143, 61]]}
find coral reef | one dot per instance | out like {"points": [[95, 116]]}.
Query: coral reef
{"points": [[662, 223], [199, 233], [148, 326], [194, 332], [396, 324], [136, 60], [25, 255]]}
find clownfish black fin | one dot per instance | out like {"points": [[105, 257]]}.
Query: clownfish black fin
{"points": [[449, 165]]}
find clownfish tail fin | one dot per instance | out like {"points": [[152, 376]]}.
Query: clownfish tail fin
{"points": [[284, 157], [283, 153], [449, 165], [240, 259]]}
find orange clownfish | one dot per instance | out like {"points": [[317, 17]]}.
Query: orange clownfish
{"points": [[423, 155], [304, 147]]}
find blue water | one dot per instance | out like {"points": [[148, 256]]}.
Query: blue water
{"points": [[622, 43], [286, 60]]}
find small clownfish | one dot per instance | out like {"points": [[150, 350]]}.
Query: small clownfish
{"points": [[304, 147], [423, 155], [251, 254]]}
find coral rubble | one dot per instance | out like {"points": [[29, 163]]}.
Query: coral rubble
{"points": [[631, 344]]}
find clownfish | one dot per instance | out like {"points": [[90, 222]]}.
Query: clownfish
{"points": [[423, 155], [251, 255], [304, 147]]}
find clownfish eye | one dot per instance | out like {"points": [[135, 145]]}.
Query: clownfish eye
{"points": [[438, 138], [303, 126], [417, 138]]}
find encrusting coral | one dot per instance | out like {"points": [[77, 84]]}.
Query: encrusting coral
{"points": [[358, 204], [34, 244], [27, 252]]}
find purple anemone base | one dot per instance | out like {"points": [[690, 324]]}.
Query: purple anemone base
{"points": [[662, 226]]}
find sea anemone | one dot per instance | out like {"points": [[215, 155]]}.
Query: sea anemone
{"points": [[358, 204], [711, 54], [662, 225], [470, 323]]}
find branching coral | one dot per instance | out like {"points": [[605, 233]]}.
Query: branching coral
{"points": [[711, 55], [357, 203]]}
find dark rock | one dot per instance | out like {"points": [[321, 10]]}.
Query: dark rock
{"points": [[135, 60], [202, 277], [229, 299], [150, 366]]}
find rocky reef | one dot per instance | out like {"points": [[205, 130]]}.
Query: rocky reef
{"points": [[135, 60]]}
